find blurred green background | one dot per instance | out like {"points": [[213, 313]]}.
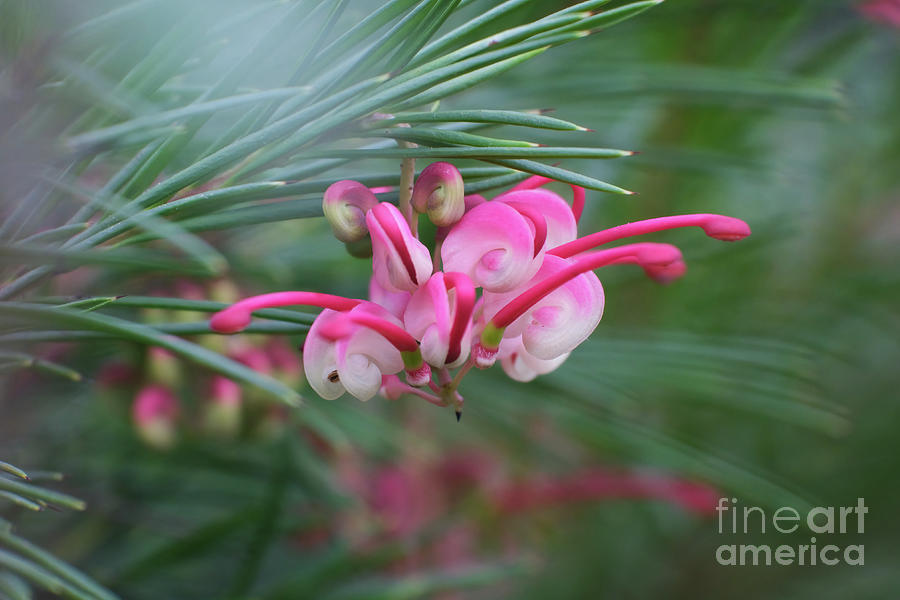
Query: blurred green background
{"points": [[770, 371]]}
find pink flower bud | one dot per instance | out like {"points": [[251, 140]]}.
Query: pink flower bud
{"points": [[154, 413], [345, 205], [401, 263], [222, 413], [438, 192]]}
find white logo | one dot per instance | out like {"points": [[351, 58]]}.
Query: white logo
{"points": [[819, 520]]}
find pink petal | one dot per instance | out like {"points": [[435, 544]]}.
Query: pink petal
{"points": [[560, 321], [561, 226], [521, 365], [399, 263], [394, 302], [494, 246]]}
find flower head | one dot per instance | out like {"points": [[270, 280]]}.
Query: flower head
{"points": [[540, 297]]}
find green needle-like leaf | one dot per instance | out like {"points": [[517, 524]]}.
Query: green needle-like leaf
{"points": [[443, 137], [497, 117], [38, 493], [144, 334]]}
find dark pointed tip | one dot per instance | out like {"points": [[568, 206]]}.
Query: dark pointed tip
{"points": [[458, 415]]}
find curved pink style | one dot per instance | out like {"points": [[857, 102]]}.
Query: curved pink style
{"points": [[537, 181], [647, 253], [400, 262], [557, 322], [344, 325], [493, 244], [720, 227], [237, 316]]}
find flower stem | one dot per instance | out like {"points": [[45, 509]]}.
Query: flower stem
{"points": [[407, 176]]}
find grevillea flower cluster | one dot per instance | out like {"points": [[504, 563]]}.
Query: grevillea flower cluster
{"points": [[508, 279]]}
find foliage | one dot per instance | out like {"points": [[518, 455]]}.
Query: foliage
{"points": [[154, 142]]}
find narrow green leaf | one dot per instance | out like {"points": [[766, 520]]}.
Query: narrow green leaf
{"points": [[560, 174], [362, 30], [424, 584], [432, 22], [24, 360], [127, 259], [548, 26], [34, 492], [53, 565], [13, 587], [464, 82], [450, 39], [196, 203], [92, 139], [498, 117], [443, 137], [41, 577], [206, 258], [414, 21], [610, 17], [116, 182], [251, 215], [20, 501], [483, 185], [207, 306], [13, 470], [477, 152], [55, 234], [145, 334], [401, 87]]}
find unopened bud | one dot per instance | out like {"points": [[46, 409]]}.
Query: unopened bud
{"points": [[438, 192], [154, 412], [361, 248], [222, 414], [345, 205], [163, 367]]}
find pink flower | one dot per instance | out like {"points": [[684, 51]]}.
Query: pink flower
{"points": [[555, 324], [401, 263], [494, 245], [353, 360], [562, 305], [155, 411], [883, 11], [440, 315], [540, 296]]}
